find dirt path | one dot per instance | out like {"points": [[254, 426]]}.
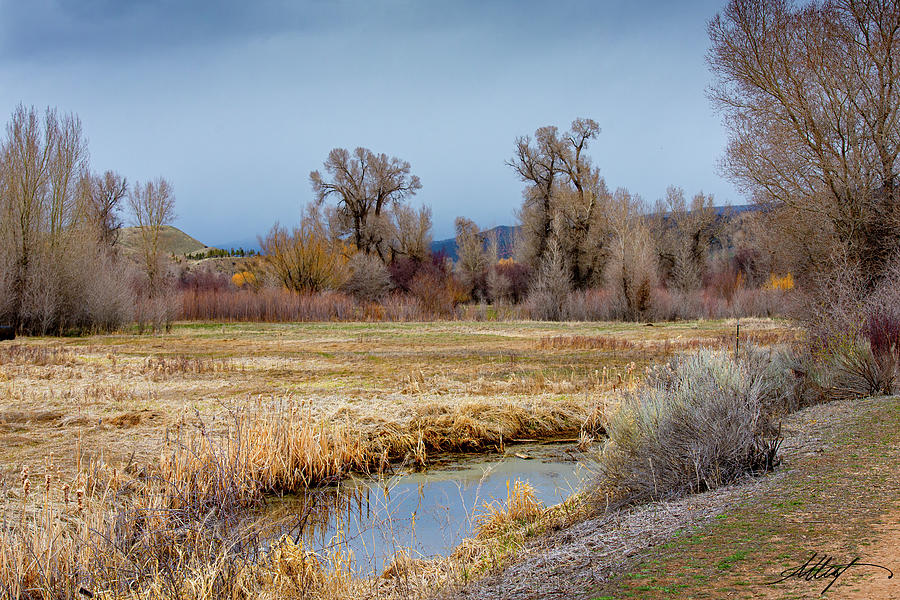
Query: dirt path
{"points": [[873, 583]]}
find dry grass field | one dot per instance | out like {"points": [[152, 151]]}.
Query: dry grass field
{"points": [[454, 385]]}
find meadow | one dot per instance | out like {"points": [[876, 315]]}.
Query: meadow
{"points": [[461, 385]]}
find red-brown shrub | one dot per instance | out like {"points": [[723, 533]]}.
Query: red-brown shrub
{"points": [[511, 280], [203, 280]]}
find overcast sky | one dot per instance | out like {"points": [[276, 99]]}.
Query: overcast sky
{"points": [[236, 102]]}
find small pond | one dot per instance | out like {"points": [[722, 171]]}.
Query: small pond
{"points": [[428, 513]]}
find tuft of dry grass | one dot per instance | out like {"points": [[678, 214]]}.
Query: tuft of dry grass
{"points": [[161, 366], [521, 506]]}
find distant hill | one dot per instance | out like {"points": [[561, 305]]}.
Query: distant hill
{"points": [[172, 241], [505, 242], [736, 209]]}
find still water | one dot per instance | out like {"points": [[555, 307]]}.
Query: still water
{"points": [[426, 513]]}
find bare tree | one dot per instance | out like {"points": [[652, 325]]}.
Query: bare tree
{"points": [[472, 256], [41, 162], [412, 232], [105, 194], [153, 207], [811, 95], [537, 163], [683, 234], [631, 270], [364, 185]]}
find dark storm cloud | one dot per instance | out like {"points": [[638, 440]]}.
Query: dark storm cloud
{"points": [[47, 28], [72, 28]]}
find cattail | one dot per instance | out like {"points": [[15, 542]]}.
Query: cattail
{"points": [[79, 493], [66, 494], [47, 484], [26, 483]]}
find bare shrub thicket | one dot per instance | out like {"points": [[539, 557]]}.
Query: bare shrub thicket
{"points": [[700, 422], [550, 286], [508, 281], [54, 275]]}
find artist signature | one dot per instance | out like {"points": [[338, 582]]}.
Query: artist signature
{"points": [[825, 568]]}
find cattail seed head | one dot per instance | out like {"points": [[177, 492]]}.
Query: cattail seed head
{"points": [[66, 494]]}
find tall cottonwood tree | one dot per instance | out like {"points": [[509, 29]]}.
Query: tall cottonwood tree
{"points": [[811, 96], [563, 201], [42, 158], [105, 194], [365, 187]]}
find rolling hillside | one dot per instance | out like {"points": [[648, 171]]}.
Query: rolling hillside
{"points": [[172, 241]]}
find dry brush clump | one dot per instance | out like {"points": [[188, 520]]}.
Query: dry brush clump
{"points": [[699, 422], [280, 449], [29, 354]]}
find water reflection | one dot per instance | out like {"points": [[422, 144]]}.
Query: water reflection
{"points": [[425, 513]]}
